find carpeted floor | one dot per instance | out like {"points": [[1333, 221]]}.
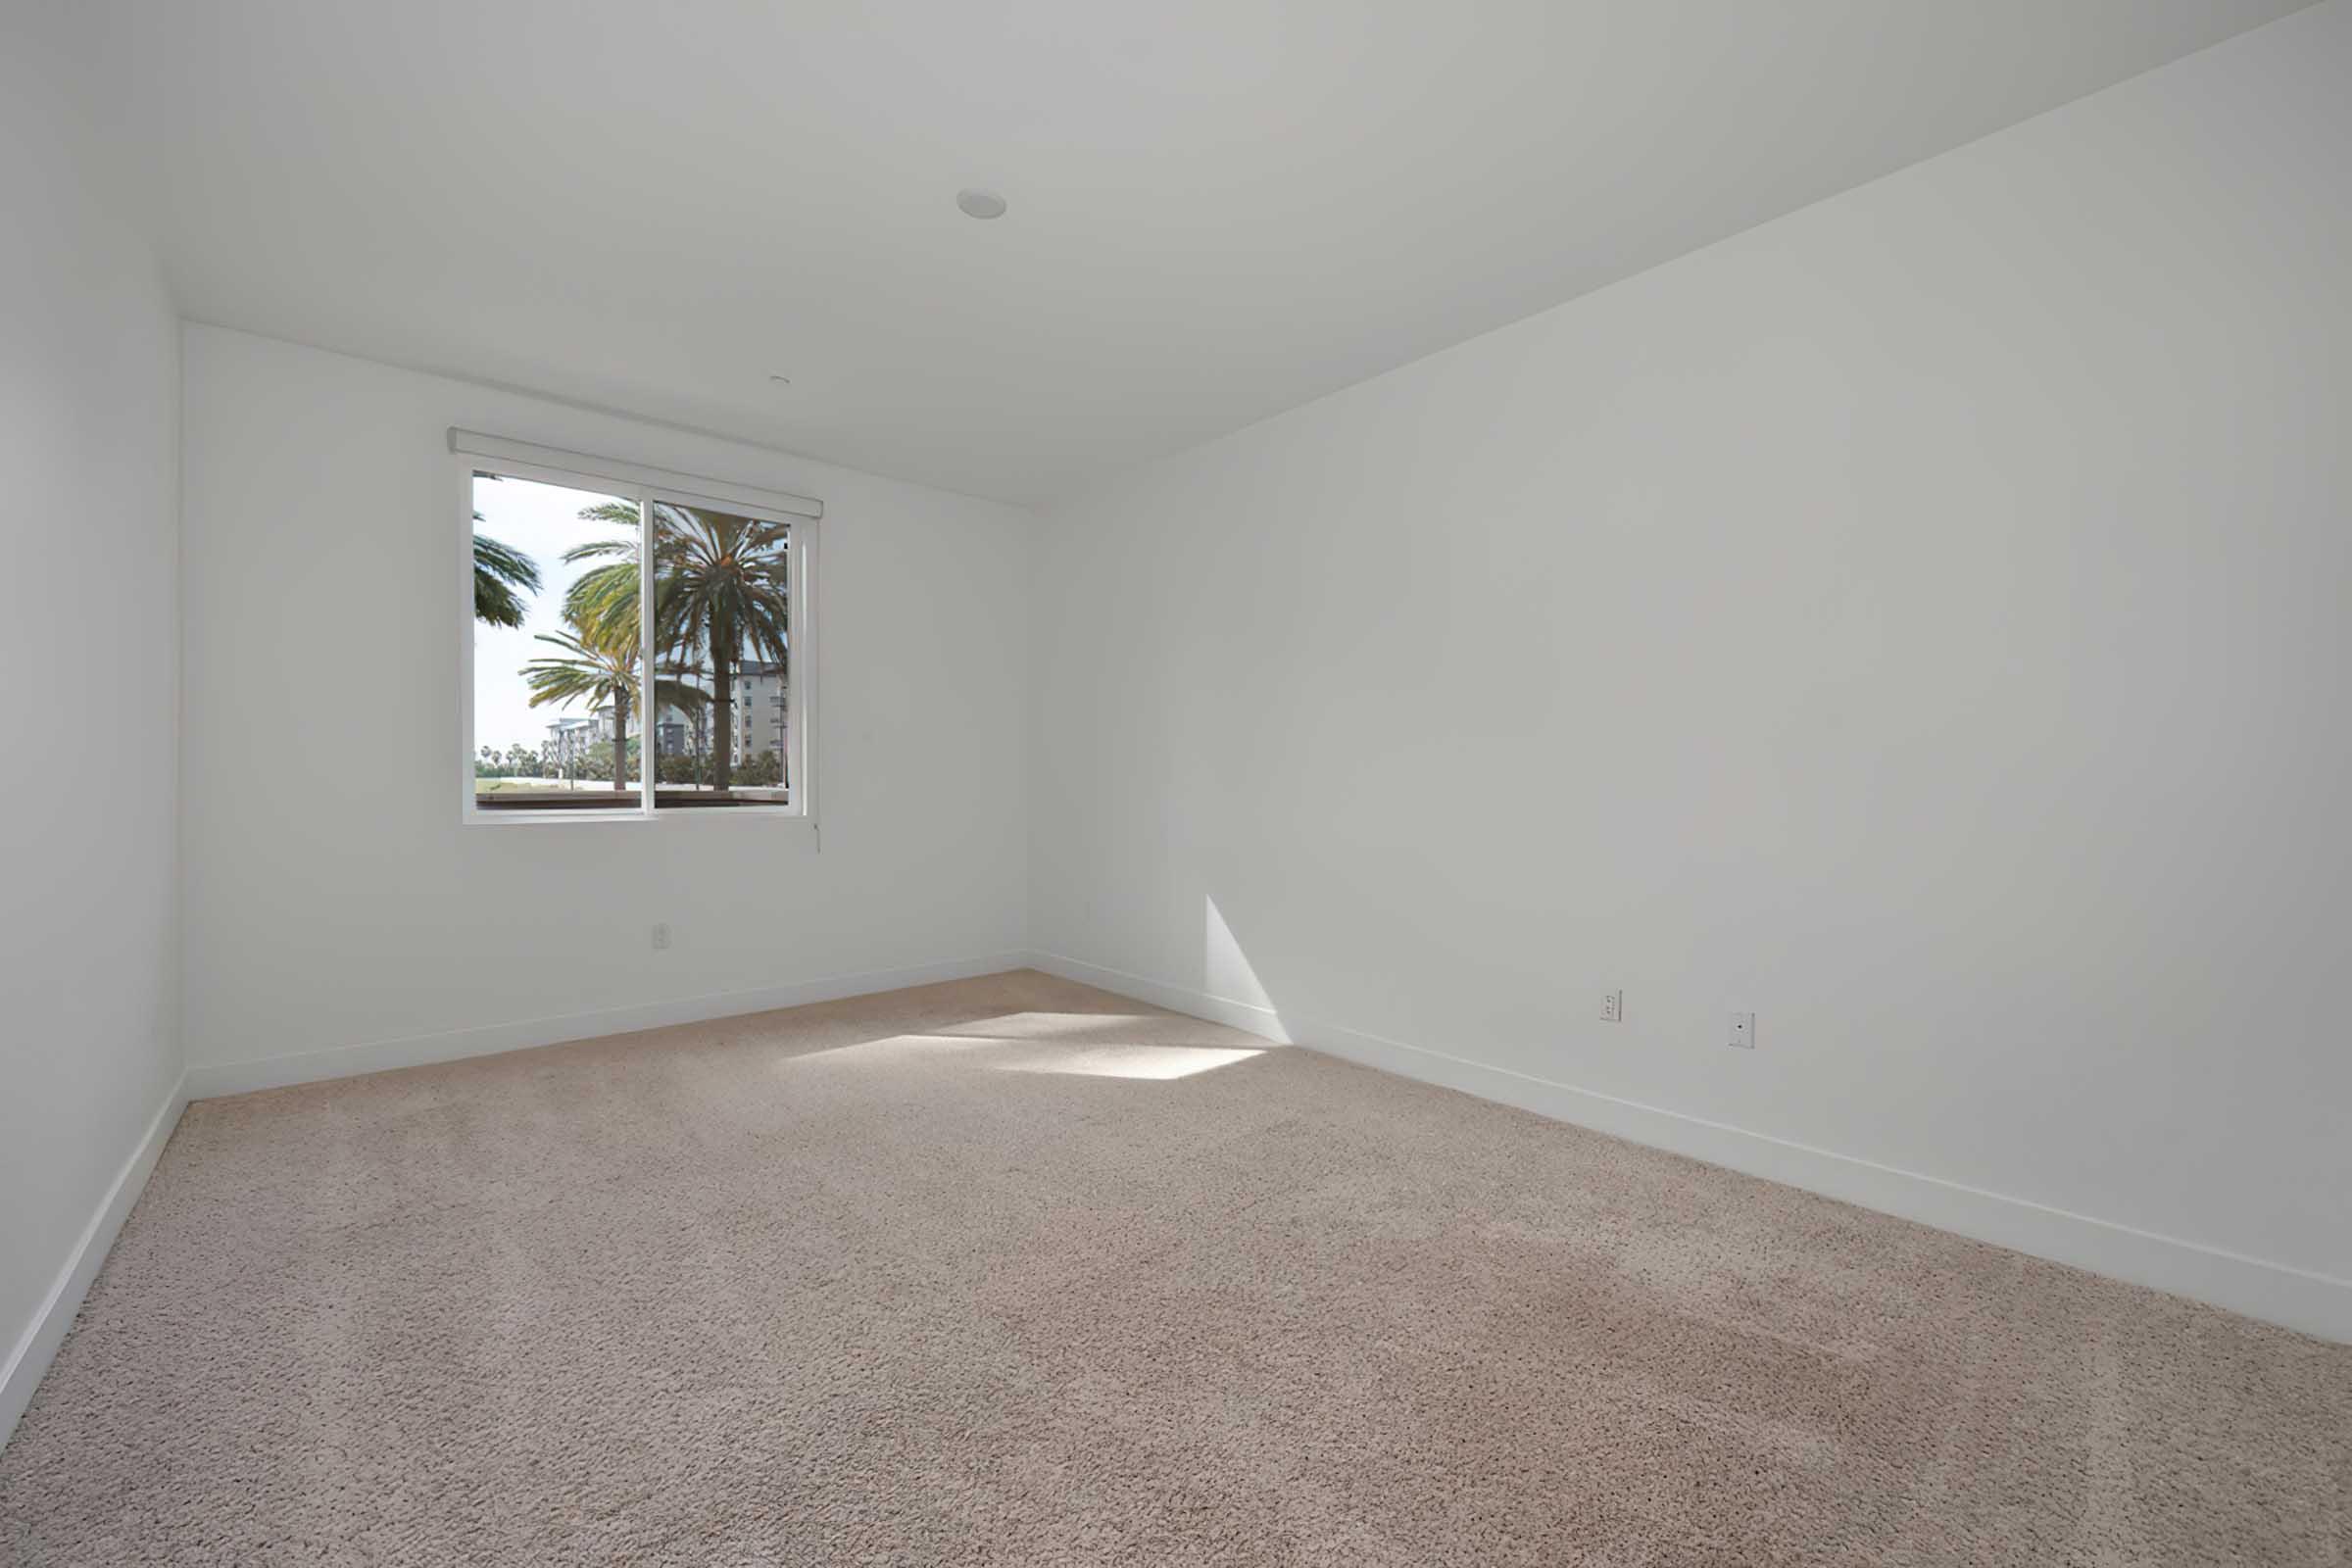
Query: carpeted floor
{"points": [[1013, 1271]]}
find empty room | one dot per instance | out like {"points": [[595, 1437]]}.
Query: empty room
{"points": [[1265, 782]]}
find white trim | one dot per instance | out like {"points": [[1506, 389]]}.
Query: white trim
{"points": [[463, 510], [2277, 1293], [649, 674], [799, 672], [37, 1346], [207, 1080], [688, 488]]}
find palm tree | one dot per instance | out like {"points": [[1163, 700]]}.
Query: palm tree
{"points": [[720, 592], [601, 670], [606, 596], [498, 570]]}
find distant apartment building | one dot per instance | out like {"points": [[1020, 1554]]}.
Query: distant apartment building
{"points": [[759, 721], [568, 739], [757, 724]]}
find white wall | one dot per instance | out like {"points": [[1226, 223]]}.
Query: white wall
{"points": [[89, 410], [334, 899], [1922, 620]]}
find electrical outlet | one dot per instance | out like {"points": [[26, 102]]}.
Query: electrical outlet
{"points": [[1743, 1030], [1612, 1006], [661, 937]]}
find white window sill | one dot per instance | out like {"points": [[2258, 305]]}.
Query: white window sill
{"points": [[588, 817]]}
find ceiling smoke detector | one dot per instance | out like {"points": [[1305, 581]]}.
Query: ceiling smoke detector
{"points": [[980, 203]]}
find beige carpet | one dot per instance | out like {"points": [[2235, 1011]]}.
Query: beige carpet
{"points": [[1012, 1271]]}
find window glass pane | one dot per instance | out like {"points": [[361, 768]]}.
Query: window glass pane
{"points": [[556, 649], [722, 659]]}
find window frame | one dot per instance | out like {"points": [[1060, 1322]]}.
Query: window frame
{"points": [[471, 452]]}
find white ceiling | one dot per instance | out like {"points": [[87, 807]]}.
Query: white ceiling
{"points": [[1220, 208]]}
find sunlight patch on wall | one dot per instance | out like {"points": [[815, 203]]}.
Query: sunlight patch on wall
{"points": [[1228, 975], [1225, 966]]}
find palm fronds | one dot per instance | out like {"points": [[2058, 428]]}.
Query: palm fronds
{"points": [[499, 570]]}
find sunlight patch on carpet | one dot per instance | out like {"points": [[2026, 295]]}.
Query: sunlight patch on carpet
{"points": [[1028, 1052], [1130, 1062], [1053, 1025]]}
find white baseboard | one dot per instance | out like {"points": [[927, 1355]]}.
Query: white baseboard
{"points": [[38, 1345], [210, 1079], [2277, 1293]]}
